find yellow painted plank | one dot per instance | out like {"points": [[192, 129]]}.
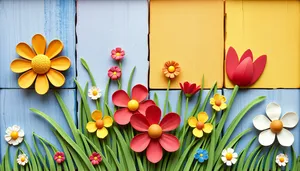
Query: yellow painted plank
{"points": [[267, 27], [191, 33]]}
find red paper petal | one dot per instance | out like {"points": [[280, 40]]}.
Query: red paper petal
{"points": [[232, 61], [154, 151], [196, 90], [144, 105], [186, 86], [120, 98], [153, 114], [258, 68], [181, 86], [139, 92], [122, 116], [247, 53], [192, 88], [169, 142], [243, 73], [139, 122], [170, 122], [140, 142]]}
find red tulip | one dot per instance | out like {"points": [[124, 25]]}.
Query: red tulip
{"points": [[244, 72], [189, 89]]}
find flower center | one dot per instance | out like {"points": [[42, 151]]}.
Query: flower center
{"points": [[95, 92], [133, 105], [95, 158], [228, 156], [22, 159], [281, 159], [218, 102], [276, 126], [59, 157], [14, 135], [115, 73], [200, 125], [41, 64], [201, 155], [154, 131], [99, 123], [171, 68], [118, 54]]}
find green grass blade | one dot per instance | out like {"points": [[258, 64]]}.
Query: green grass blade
{"points": [[49, 157], [180, 162], [250, 157], [260, 164], [15, 163], [120, 167], [32, 158], [105, 102], [6, 160], [254, 161], [85, 65], [268, 159], [274, 165], [207, 98], [166, 98], [155, 99], [212, 146], [66, 151], [79, 163], [130, 82], [241, 160], [294, 159]]}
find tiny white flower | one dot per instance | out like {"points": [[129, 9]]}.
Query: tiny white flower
{"points": [[282, 159], [94, 93], [22, 159], [229, 157], [14, 135]]}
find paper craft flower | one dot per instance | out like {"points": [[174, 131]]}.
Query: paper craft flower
{"points": [[100, 124], [95, 158], [114, 73], [199, 125], [59, 157], [22, 159], [40, 65], [282, 159], [244, 72], [189, 89], [171, 69], [273, 126], [201, 155], [154, 137], [14, 135], [136, 104], [229, 157], [117, 54], [94, 93], [218, 102]]}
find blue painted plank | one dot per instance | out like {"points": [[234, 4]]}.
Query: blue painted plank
{"points": [[20, 20]]}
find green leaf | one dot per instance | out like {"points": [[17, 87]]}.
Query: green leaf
{"points": [[155, 99], [130, 82], [249, 159], [66, 151], [169, 107], [49, 157], [206, 98], [260, 164], [191, 157], [166, 98], [268, 159], [294, 159], [16, 165], [82, 115], [195, 109], [274, 166], [212, 146], [32, 158], [105, 102], [183, 156], [254, 161], [120, 167], [85, 65], [79, 163], [241, 160], [6, 159]]}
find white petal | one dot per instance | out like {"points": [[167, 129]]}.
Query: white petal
{"points": [[14, 143], [21, 133], [224, 152], [261, 122], [290, 119], [8, 130], [283, 164], [228, 163], [19, 139], [224, 159], [15, 128], [235, 155], [230, 150], [285, 137], [233, 160], [266, 137], [273, 111], [7, 137]]}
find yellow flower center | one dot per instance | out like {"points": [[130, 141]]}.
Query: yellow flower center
{"points": [[99, 123], [218, 102], [59, 157], [95, 158], [201, 155], [281, 159], [276, 126], [115, 73], [228, 156], [14, 135], [118, 54], [133, 105], [154, 131], [22, 159], [95, 92], [41, 64], [171, 68], [200, 125]]}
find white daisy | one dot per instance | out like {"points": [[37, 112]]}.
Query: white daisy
{"points": [[229, 157], [22, 159], [282, 159], [94, 93], [273, 126], [14, 135]]}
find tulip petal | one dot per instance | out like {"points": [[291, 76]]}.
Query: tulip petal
{"points": [[144, 105], [54, 48], [266, 137], [232, 61], [273, 111], [25, 51], [96, 115], [27, 79], [56, 78], [261, 122], [153, 114], [139, 122], [140, 142], [290, 120], [285, 138], [170, 122], [41, 84], [243, 74], [169, 142], [122, 116], [102, 133], [247, 53], [258, 68], [120, 98], [61, 63], [154, 151], [39, 44], [20, 65], [191, 88], [139, 93]]}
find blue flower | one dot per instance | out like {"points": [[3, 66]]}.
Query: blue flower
{"points": [[201, 155]]}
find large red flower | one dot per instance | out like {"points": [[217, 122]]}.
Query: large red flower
{"points": [[154, 137], [189, 89], [136, 104]]}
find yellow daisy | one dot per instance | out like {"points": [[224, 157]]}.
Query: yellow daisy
{"points": [[199, 125], [100, 124], [218, 102], [40, 64]]}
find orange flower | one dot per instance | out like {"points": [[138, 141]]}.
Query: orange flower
{"points": [[171, 69]]}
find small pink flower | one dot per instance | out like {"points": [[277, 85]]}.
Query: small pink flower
{"points": [[117, 54], [114, 73], [95, 158], [59, 157]]}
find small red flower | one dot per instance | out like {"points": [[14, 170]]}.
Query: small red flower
{"points": [[189, 89], [59, 157], [154, 137], [117, 54], [136, 104], [95, 158], [114, 73]]}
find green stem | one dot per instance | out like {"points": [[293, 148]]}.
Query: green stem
{"points": [[119, 85], [167, 97], [186, 109], [98, 104], [120, 64]]}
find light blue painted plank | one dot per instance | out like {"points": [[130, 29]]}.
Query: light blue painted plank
{"points": [[14, 109], [20, 20], [288, 99]]}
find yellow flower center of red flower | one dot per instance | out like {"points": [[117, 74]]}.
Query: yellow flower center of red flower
{"points": [[115, 73], [22, 159], [59, 157], [281, 159], [218, 102], [276, 126], [95, 158], [99, 123], [95, 92], [154, 131], [171, 68], [118, 54], [133, 105], [200, 125], [228, 156], [14, 135], [41, 64]]}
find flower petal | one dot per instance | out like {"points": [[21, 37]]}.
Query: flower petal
{"points": [[208, 127], [122, 116], [169, 142], [96, 115], [247, 53], [140, 142], [39, 44], [54, 48], [170, 122], [192, 122], [102, 133], [154, 151], [153, 114], [20, 65], [139, 122], [108, 121], [144, 105], [290, 119], [232, 61], [242, 76], [273, 111], [258, 67], [202, 117], [197, 133], [25, 51], [285, 138], [266, 137], [27, 79], [139, 92], [120, 98], [261, 122], [61, 63], [41, 84], [91, 127], [56, 78]]}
